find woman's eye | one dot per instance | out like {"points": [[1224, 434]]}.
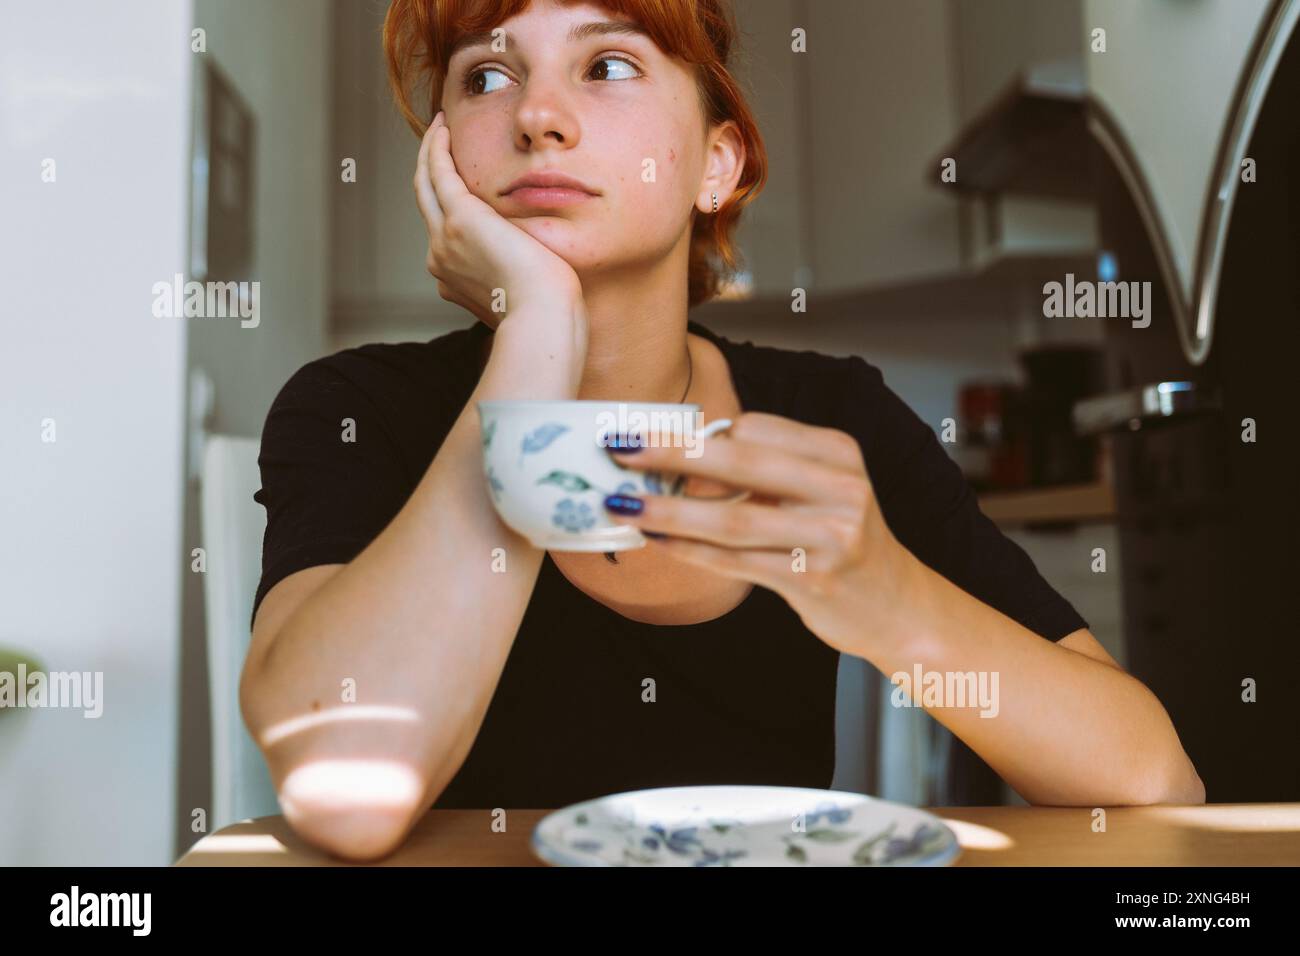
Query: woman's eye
{"points": [[471, 84], [622, 65], [475, 82]]}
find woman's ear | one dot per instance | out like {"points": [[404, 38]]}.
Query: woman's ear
{"points": [[723, 165]]}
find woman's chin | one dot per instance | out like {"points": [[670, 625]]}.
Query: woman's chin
{"points": [[550, 228], [587, 256], [561, 237]]}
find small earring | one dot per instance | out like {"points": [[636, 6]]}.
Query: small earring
{"points": [[715, 202]]}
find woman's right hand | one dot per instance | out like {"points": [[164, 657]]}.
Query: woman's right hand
{"points": [[473, 249]]}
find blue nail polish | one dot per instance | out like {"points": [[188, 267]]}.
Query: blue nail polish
{"points": [[624, 444], [624, 504]]}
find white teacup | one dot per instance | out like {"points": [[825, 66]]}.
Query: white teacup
{"points": [[548, 468]]}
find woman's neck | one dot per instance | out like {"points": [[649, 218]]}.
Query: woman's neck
{"points": [[637, 340]]}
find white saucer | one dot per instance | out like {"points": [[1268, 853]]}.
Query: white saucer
{"points": [[743, 826]]}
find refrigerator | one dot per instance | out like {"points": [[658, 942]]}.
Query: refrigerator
{"points": [[1200, 411]]}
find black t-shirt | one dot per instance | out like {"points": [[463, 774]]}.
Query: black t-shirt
{"points": [[748, 697]]}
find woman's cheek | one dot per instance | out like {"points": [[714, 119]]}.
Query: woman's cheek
{"points": [[472, 173], [469, 154], [659, 189]]}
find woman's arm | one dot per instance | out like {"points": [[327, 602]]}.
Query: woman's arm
{"points": [[418, 621], [1071, 727], [419, 624]]}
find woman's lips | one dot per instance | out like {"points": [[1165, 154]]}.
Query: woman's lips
{"points": [[548, 197]]}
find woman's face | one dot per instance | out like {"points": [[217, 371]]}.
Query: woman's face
{"points": [[608, 109]]}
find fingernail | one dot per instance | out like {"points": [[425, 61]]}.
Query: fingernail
{"points": [[624, 444], [653, 534], [624, 504]]}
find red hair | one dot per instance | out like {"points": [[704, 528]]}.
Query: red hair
{"points": [[418, 37]]}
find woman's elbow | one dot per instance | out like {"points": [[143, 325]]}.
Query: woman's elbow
{"points": [[1180, 785], [358, 809], [1192, 791], [361, 835]]}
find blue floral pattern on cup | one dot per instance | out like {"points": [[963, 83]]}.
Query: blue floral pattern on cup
{"points": [[580, 508], [539, 438], [573, 516], [494, 483]]}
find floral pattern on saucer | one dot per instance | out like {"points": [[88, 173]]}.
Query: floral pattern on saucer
{"points": [[801, 829]]}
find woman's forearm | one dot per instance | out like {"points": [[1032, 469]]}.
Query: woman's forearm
{"points": [[419, 622], [1062, 729]]}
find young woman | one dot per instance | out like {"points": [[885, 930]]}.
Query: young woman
{"points": [[591, 161]]}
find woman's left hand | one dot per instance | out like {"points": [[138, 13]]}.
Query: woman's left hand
{"points": [[811, 531]]}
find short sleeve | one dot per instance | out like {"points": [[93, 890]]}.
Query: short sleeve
{"points": [[933, 512], [329, 486]]}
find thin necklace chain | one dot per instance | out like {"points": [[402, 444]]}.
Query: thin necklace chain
{"points": [[690, 373]]}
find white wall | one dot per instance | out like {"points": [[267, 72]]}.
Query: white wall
{"points": [[1168, 75], [276, 56], [994, 42], [881, 103], [379, 240], [90, 543]]}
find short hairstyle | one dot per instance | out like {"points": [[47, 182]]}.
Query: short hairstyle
{"points": [[419, 36]]}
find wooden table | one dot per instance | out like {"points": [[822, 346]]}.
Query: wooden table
{"points": [[1245, 834]]}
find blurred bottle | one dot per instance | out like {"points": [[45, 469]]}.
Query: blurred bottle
{"points": [[992, 449]]}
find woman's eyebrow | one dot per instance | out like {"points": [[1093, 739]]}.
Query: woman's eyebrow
{"points": [[579, 31]]}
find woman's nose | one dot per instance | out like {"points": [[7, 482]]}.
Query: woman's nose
{"points": [[542, 117]]}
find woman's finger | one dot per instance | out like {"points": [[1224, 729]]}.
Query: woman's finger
{"points": [[829, 446], [445, 292], [425, 193], [766, 469], [447, 183], [738, 524]]}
